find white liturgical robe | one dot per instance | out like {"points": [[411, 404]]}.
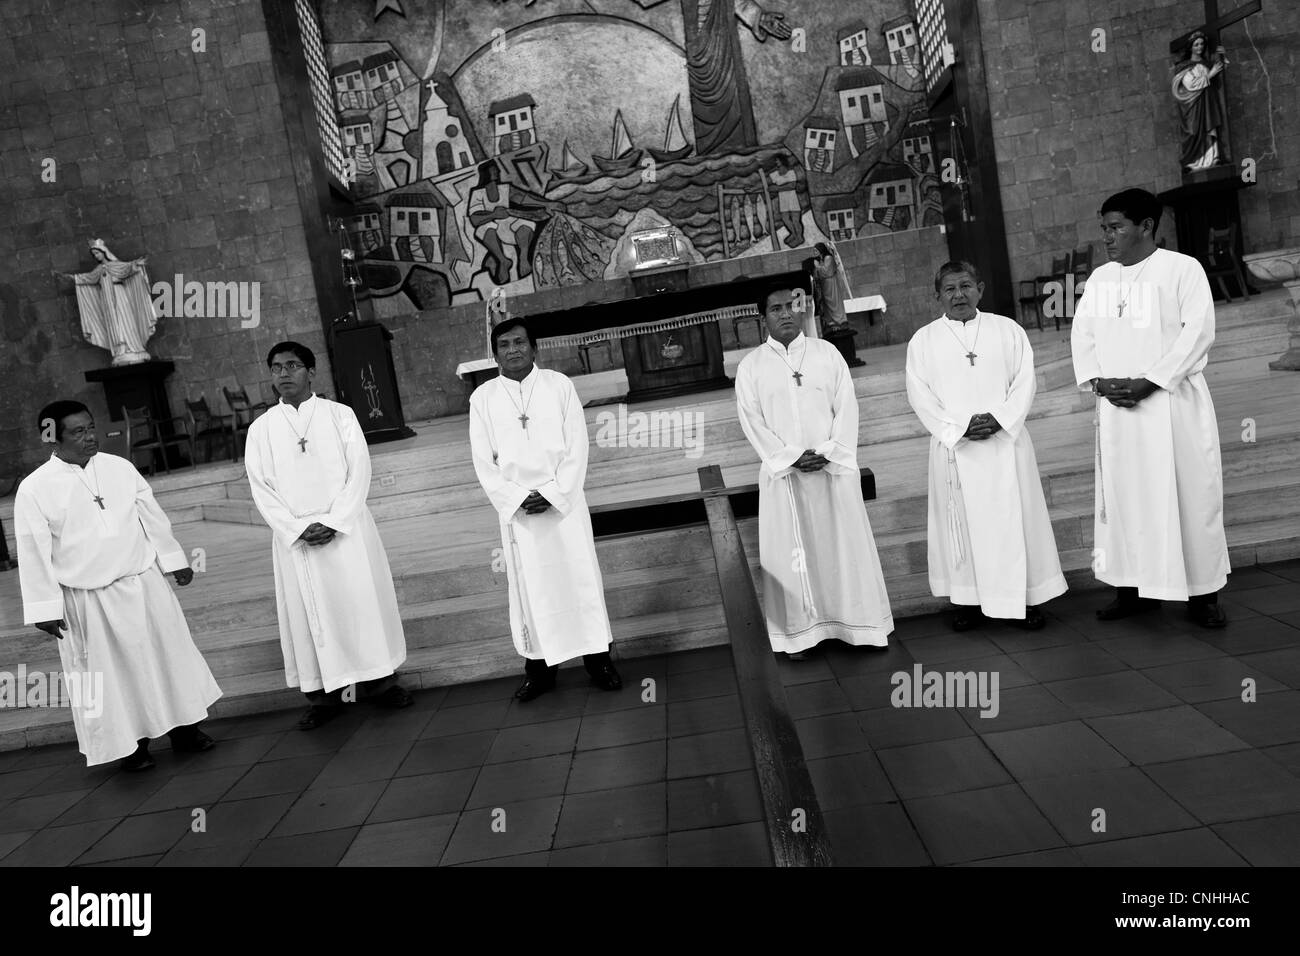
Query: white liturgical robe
{"points": [[337, 608], [989, 537], [557, 598], [820, 573], [1159, 475], [100, 570]]}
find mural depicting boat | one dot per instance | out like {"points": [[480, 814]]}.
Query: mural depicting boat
{"points": [[676, 146], [623, 155], [572, 168]]}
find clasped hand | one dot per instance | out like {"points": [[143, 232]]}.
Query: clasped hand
{"points": [[535, 504], [810, 461], [317, 534], [1124, 392], [982, 426]]}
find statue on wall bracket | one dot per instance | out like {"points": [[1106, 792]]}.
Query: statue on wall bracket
{"points": [[113, 298], [1202, 112]]}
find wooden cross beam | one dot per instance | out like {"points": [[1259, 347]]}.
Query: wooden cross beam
{"points": [[1214, 23]]}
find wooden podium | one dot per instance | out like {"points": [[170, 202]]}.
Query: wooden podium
{"points": [[367, 381], [1208, 200]]}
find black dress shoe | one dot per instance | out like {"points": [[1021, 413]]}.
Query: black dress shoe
{"points": [[318, 715], [190, 740], [1207, 615], [534, 687], [606, 678], [967, 618], [395, 698], [1125, 607], [1032, 621], [140, 760]]}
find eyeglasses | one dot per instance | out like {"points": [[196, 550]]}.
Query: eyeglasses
{"points": [[290, 367]]}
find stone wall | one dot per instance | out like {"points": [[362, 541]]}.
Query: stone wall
{"points": [[160, 150], [1072, 126]]}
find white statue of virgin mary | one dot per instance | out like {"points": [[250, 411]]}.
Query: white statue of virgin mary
{"points": [[116, 309]]}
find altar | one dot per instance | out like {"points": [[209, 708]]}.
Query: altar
{"points": [[666, 326]]}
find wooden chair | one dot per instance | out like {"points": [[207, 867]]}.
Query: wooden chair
{"points": [[240, 406], [587, 344], [1060, 269], [1031, 298], [1221, 261], [1081, 267], [758, 327], [139, 423], [206, 426]]}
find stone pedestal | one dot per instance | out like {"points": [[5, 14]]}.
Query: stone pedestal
{"points": [[842, 337], [1205, 201], [1282, 265], [140, 385], [134, 386]]}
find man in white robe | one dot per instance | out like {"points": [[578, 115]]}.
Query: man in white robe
{"points": [[970, 379], [93, 547], [1141, 340], [528, 436], [821, 575], [309, 469]]}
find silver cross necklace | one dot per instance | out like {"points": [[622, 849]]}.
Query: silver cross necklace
{"points": [[94, 492], [302, 435], [1124, 299], [522, 409], [971, 354], [796, 373]]}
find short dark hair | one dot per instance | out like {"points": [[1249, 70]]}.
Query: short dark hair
{"points": [[59, 411], [1135, 205], [305, 355], [505, 325], [952, 268], [768, 290]]}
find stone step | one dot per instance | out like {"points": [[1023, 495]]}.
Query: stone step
{"points": [[1240, 460], [671, 630]]}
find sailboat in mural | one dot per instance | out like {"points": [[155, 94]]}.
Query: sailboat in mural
{"points": [[676, 146], [623, 155], [572, 167]]}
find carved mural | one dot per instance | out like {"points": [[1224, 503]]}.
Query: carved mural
{"points": [[515, 144]]}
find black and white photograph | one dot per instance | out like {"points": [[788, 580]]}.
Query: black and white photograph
{"points": [[655, 435]]}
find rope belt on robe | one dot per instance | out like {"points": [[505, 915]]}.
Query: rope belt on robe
{"points": [[1101, 484], [519, 586], [309, 595], [805, 583], [954, 513]]}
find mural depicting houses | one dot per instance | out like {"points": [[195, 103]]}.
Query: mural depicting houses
{"points": [[513, 126], [917, 150], [413, 226], [862, 108], [383, 78], [350, 90], [820, 133], [904, 47], [840, 218], [890, 195], [364, 228], [454, 201], [853, 45]]}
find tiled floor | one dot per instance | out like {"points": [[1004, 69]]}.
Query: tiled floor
{"points": [[1113, 745]]}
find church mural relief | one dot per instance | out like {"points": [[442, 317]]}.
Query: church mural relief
{"points": [[516, 145]]}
